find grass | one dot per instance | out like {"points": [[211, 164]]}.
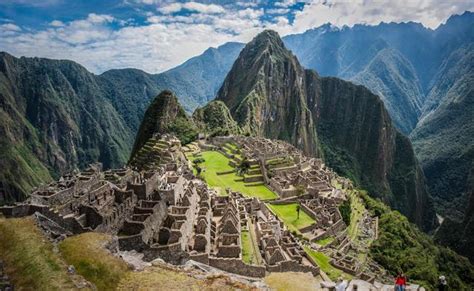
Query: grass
{"points": [[248, 254], [292, 281], [30, 260], [325, 241], [287, 213], [216, 162], [164, 278], [87, 253], [323, 262], [357, 208]]}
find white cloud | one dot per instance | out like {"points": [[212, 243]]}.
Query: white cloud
{"points": [[167, 40], [192, 6], [342, 12], [56, 23], [10, 27]]}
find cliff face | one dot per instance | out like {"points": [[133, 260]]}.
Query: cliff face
{"points": [[270, 94], [54, 118], [165, 115], [266, 93]]}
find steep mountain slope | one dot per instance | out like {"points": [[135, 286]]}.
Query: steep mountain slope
{"points": [[459, 235], [270, 94], [443, 138], [54, 118], [165, 115], [392, 77], [266, 93]]}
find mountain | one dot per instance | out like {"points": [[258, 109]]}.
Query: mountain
{"points": [[392, 77], [165, 115], [266, 93], [459, 235], [270, 94], [54, 117], [197, 80], [443, 138], [215, 118]]}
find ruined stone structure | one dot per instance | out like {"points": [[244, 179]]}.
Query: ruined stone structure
{"points": [[156, 206]]}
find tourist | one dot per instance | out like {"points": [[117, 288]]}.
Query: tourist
{"points": [[400, 282], [442, 284]]}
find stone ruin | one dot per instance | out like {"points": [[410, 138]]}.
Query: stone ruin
{"points": [[156, 206]]}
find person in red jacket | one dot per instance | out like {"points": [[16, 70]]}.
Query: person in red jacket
{"points": [[400, 282]]}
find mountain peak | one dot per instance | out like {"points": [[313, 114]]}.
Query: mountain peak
{"points": [[164, 115]]}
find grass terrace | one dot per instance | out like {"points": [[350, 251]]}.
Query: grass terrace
{"points": [[325, 241], [323, 262], [215, 162], [357, 209], [287, 213], [248, 253]]}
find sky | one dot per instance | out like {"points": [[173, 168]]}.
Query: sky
{"points": [[156, 35]]}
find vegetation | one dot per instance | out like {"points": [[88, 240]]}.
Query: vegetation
{"points": [[29, 257], [345, 209], [92, 260], [248, 252], [323, 262], [215, 162], [165, 115], [292, 281], [325, 241], [289, 215], [401, 246]]}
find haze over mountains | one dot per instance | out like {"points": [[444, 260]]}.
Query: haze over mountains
{"points": [[57, 116]]}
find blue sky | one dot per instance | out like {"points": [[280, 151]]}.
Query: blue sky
{"points": [[155, 35]]}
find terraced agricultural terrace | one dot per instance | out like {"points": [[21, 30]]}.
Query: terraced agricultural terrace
{"points": [[244, 205]]}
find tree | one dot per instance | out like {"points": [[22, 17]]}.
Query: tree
{"points": [[198, 170], [243, 167]]}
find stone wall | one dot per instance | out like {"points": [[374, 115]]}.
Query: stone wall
{"points": [[293, 266], [237, 266]]}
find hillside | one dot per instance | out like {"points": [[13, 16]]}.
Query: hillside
{"points": [[269, 94], [54, 117], [443, 137]]}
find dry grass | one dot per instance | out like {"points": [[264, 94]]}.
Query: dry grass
{"points": [[87, 253], [293, 281], [158, 278], [30, 260]]}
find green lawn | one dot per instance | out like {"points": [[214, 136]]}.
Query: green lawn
{"points": [[323, 262], [287, 213], [357, 208], [216, 162], [248, 254], [325, 241]]}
